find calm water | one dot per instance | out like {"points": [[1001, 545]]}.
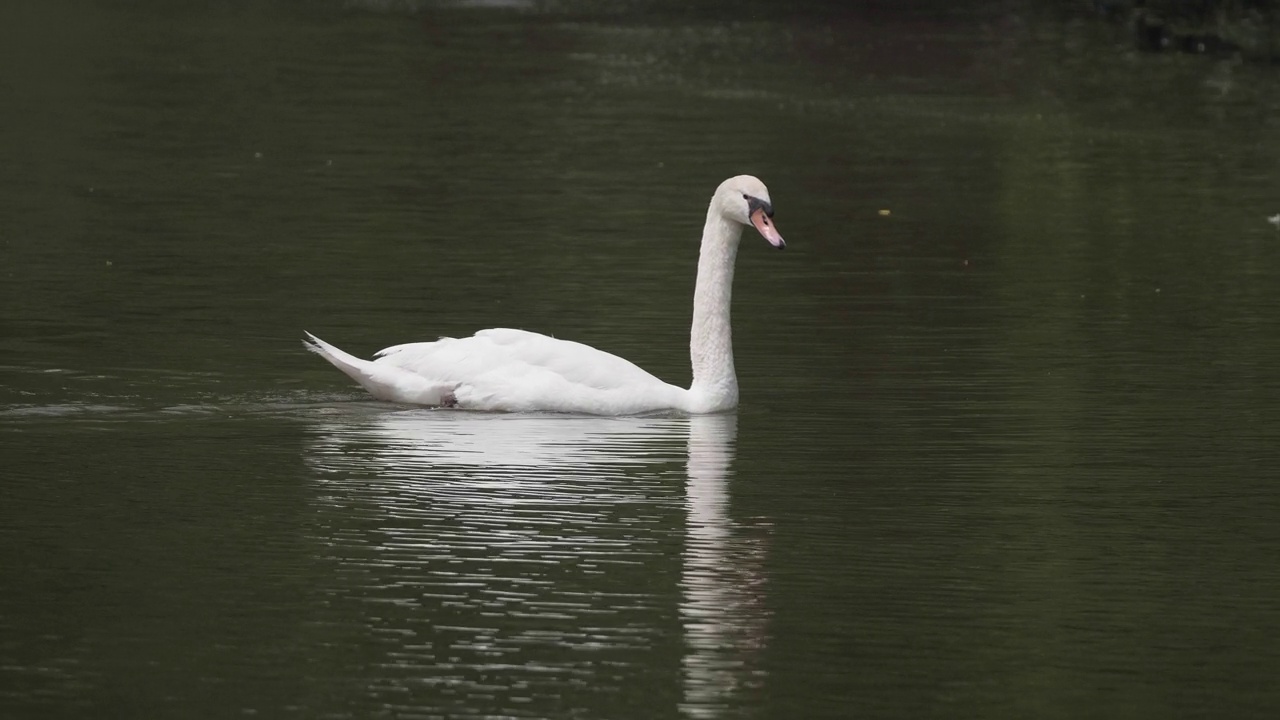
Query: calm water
{"points": [[1011, 398]]}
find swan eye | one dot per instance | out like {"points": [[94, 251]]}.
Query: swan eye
{"points": [[746, 196], [754, 204]]}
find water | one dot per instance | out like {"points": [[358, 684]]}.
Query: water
{"points": [[1008, 429]]}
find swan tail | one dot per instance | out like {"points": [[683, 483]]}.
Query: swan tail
{"points": [[385, 382]]}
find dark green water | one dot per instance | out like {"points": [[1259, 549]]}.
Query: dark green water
{"points": [[1008, 449]]}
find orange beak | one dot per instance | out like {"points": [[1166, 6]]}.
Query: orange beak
{"points": [[766, 227]]}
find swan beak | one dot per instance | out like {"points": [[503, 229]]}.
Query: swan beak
{"points": [[767, 228]]}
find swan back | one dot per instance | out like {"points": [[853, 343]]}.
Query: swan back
{"points": [[518, 370]]}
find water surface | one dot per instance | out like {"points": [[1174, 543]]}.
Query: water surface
{"points": [[1008, 429]]}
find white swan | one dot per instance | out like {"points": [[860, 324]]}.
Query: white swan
{"points": [[520, 371]]}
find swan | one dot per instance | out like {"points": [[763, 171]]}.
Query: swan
{"points": [[519, 371]]}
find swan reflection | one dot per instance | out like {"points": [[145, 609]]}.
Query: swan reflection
{"points": [[723, 610], [531, 562]]}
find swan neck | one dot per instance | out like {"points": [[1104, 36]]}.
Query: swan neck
{"points": [[715, 383]]}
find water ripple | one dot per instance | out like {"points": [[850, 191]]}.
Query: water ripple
{"points": [[532, 558]]}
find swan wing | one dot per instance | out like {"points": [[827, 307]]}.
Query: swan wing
{"points": [[518, 370]]}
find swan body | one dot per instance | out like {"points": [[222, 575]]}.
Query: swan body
{"points": [[519, 371]]}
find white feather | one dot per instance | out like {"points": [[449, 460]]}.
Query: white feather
{"points": [[518, 371]]}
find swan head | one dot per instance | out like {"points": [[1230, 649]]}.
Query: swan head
{"points": [[744, 199]]}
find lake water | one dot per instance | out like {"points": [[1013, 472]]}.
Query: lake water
{"points": [[1010, 412]]}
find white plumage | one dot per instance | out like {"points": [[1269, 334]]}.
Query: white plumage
{"points": [[520, 371]]}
